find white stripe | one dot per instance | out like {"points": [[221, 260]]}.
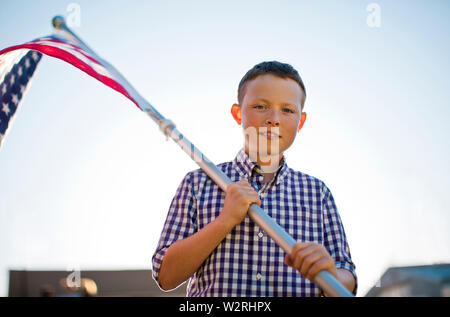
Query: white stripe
{"points": [[81, 56]]}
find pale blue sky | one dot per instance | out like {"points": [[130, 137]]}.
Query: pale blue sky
{"points": [[86, 178]]}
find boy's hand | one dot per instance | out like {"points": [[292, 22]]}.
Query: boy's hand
{"points": [[309, 259], [238, 198]]}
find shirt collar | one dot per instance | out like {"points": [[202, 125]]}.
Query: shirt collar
{"points": [[245, 166]]}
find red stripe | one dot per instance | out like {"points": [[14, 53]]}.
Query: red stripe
{"points": [[78, 49], [69, 58]]}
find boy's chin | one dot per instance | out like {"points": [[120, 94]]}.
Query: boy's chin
{"points": [[266, 151], [268, 160], [269, 164]]}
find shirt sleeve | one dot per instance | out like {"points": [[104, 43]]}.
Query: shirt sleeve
{"points": [[180, 223], [335, 240]]}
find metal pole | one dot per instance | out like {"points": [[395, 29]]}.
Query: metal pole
{"points": [[329, 284]]}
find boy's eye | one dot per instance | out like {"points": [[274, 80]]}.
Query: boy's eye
{"points": [[288, 110], [259, 107]]}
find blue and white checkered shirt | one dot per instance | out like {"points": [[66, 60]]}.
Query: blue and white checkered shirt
{"points": [[247, 262]]}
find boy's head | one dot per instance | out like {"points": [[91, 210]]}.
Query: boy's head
{"points": [[275, 68], [271, 98]]}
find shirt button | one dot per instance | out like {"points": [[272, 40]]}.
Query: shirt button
{"points": [[260, 234], [258, 276]]}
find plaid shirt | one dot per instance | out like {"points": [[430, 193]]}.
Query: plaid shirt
{"points": [[247, 262]]}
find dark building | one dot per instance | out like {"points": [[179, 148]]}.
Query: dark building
{"points": [[87, 283], [414, 281]]}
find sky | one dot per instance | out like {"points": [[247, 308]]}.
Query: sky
{"points": [[86, 178]]}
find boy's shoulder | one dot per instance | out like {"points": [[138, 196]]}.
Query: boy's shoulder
{"points": [[198, 176], [304, 177], [308, 180]]}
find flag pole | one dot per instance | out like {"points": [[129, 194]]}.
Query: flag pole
{"points": [[327, 282]]}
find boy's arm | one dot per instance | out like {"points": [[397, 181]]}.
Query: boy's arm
{"points": [[335, 241], [333, 255], [310, 258], [184, 257], [347, 279]]}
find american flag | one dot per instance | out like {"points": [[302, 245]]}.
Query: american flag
{"points": [[18, 63], [16, 70]]}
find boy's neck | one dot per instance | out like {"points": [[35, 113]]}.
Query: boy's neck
{"points": [[267, 177], [269, 163]]}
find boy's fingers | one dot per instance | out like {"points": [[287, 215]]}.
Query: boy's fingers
{"points": [[309, 259], [301, 255], [299, 247], [320, 265], [287, 260], [244, 183], [308, 263], [255, 201]]}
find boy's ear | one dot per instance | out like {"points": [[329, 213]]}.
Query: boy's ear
{"points": [[302, 121], [236, 113]]}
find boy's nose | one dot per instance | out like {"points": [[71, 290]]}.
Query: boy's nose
{"points": [[273, 119], [273, 122]]}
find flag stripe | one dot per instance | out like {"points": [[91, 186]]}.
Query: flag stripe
{"points": [[70, 58], [64, 49]]}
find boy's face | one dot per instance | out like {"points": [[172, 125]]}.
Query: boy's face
{"points": [[271, 107]]}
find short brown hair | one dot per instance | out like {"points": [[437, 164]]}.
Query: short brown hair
{"points": [[276, 68]]}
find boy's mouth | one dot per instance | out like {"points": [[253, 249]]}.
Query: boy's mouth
{"points": [[270, 135]]}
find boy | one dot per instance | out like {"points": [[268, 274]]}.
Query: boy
{"points": [[207, 236]]}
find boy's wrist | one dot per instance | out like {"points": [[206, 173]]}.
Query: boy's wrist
{"points": [[225, 222]]}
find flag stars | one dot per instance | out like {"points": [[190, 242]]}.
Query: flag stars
{"points": [[5, 108], [13, 85], [15, 99]]}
